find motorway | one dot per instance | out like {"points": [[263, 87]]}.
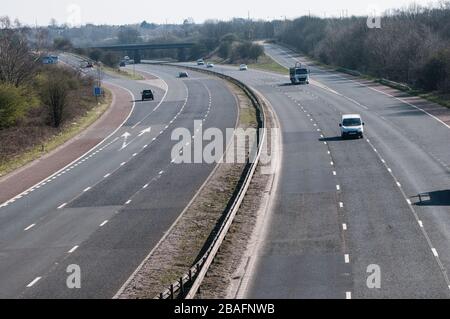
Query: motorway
{"points": [[106, 211], [342, 207]]}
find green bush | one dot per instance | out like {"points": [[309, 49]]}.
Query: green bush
{"points": [[14, 102]]}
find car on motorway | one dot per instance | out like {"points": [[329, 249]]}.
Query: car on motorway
{"points": [[200, 62], [243, 67], [351, 125], [122, 63], [147, 95], [183, 75], [89, 65], [209, 65]]}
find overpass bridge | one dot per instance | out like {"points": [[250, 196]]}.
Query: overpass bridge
{"points": [[136, 48]]}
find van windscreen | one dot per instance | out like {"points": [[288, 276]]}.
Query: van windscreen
{"points": [[351, 122]]}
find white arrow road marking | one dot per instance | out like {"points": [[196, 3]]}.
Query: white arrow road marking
{"points": [[125, 136], [147, 130]]}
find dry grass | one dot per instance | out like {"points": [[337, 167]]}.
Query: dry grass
{"points": [[123, 73], [266, 63], [32, 138]]}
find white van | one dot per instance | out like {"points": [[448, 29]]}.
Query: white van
{"points": [[351, 125]]}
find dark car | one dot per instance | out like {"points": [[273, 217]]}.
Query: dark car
{"points": [[183, 75], [122, 63], [89, 65], [147, 95]]}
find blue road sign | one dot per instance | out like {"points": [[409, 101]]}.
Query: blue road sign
{"points": [[97, 91]]}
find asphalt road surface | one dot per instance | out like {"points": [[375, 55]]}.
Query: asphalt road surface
{"points": [[107, 211], [343, 208]]}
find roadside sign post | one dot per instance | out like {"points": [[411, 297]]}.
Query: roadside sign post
{"points": [[97, 92]]}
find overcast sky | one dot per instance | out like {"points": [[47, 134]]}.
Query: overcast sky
{"points": [[175, 11]]}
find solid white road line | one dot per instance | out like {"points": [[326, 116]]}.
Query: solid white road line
{"points": [[107, 175], [62, 206], [31, 284], [86, 189]]}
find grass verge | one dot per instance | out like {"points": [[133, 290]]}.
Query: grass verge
{"points": [[266, 63], [123, 73], [67, 132]]}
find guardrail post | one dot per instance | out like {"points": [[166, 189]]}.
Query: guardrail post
{"points": [[171, 292], [181, 285], [190, 275]]}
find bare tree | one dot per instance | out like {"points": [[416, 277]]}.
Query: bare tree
{"points": [[54, 94], [17, 62]]}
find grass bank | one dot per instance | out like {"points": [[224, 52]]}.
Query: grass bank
{"points": [[64, 134], [123, 72]]}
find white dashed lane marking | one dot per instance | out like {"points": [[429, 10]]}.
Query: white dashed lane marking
{"points": [[29, 227], [31, 284], [73, 249]]}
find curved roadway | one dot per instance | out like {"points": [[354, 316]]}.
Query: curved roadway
{"points": [[343, 207], [110, 208]]}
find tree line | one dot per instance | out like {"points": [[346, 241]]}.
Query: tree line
{"points": [[412, 46]]}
